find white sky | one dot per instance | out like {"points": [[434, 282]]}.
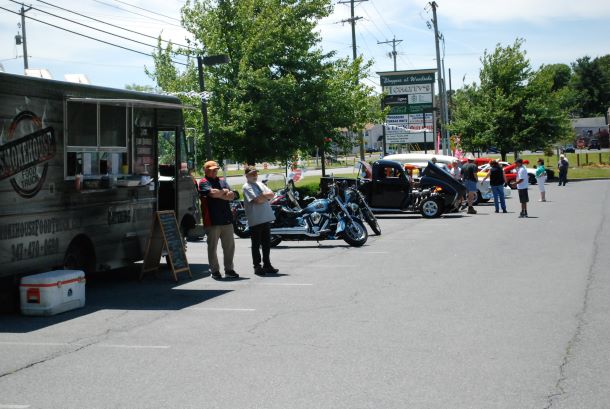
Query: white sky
{"points": [[558, 31]]}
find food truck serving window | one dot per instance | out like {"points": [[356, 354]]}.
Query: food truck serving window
{"points": [[97, 136]]}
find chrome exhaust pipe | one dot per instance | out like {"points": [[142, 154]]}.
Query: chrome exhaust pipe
{"points": [[293, 231]]}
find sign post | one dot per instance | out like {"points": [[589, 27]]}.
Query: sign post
{"points": [[165, 234]]}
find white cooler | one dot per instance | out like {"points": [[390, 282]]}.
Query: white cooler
{"points": [[53, 292]]}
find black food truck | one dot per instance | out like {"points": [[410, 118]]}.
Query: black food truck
{"points": [[80, 174]]}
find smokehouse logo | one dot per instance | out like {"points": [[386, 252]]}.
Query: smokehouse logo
{"points": [[24, 158]]}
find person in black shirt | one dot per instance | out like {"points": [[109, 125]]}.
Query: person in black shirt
{"points": [[215, 196], [497, 180]]}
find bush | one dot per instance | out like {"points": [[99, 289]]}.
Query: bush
{"points": [[309, 189]]}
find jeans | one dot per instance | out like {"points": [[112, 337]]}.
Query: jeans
{"points": [[498, 192], [260, 236], [563, 177]]}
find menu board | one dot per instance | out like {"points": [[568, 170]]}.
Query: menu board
{"points": [[165, 234], [144, 150]]}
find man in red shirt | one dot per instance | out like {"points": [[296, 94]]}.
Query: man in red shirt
{"points": [[215, 194]]}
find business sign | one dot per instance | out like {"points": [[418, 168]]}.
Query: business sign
{"points": [[410, 96], [407, 77], [408, 89]]}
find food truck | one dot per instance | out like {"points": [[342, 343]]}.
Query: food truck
{"points": [[81, 176]]}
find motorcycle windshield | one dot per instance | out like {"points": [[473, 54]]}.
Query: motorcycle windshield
{"points": [[432, 172]]}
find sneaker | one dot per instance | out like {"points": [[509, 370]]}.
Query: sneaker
{"points": [[216, 275], [504, 211], [231, 274], [258, 270], [270, 270], [497, 211]]}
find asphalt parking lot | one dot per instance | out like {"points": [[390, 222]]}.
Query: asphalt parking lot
{"points": [[481, 311]]}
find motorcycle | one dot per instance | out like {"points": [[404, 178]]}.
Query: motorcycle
{"points": [[322, 219], [355, 201], [240, 221]]}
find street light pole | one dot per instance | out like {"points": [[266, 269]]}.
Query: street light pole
{"points": [[204, 110], [209, 61]]}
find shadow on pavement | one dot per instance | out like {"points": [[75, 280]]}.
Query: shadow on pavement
{"points": [[122, 290]]}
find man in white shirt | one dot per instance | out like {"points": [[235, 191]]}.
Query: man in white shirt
{"points": [[522, 185], [260, 215]]}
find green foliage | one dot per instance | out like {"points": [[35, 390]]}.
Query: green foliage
{"points": [[279, 93], [591, 83], [513, 108]]}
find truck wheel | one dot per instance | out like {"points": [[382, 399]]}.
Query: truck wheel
{"points": [[431, 208], [80, 256]]}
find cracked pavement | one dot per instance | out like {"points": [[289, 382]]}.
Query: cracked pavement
{"points": [[483, 311]]}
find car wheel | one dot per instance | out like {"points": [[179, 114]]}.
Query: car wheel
{"points": [[532, 179], [431, 208]]}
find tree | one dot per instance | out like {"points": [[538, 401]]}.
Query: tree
{"points": [[591, 82], [513, 108], [279, 93]]}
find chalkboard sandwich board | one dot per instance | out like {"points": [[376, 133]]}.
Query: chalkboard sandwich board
{"points": [[165, 234]]}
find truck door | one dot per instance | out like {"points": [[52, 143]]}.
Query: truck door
{"points": [[389, 187], [177, 190]]}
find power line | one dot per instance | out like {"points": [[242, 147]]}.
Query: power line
{"points": [[149, 11], [90, 27], [382, 19], [110, 24], [89, 37], [137, 14]]}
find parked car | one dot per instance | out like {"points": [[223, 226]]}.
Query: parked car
{"points": [[568, 149], [594, 144]]}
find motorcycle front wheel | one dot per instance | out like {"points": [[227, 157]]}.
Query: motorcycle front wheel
{"points": [[355, 234], [241, 229], [275, 240], [371, 220]]}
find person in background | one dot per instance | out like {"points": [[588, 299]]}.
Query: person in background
{"points": [[522, 185], [497, 180], [541, 179], [260, 215], [563, 166], [456, 171], [469, 174], [215, 195]]}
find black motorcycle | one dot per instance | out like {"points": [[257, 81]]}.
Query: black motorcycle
{"points": [[355, 201], [322, 219]]}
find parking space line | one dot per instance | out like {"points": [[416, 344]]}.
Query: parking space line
{"points": [[220, 309], [35, 344], [3, 406], [287, 284], [64, 344], [132, 346]]}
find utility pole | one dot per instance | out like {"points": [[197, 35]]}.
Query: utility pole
{"points": [[393, 53], [352, 21], [24, 38], [438, 68]]}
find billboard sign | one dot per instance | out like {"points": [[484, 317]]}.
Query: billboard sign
{"points": [[410, 96]]}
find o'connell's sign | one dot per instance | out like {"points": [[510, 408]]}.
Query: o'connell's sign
{"points": [[410, 94]]}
